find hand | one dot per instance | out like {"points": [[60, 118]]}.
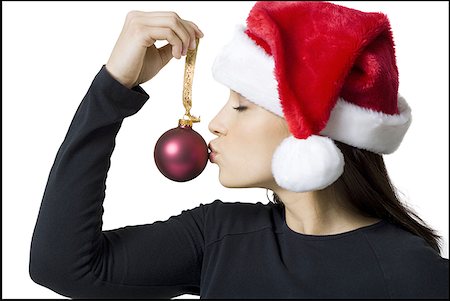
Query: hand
{"points": [[135, 59]]}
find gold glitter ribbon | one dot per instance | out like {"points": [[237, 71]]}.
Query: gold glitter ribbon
{"points": [[188, 119]]}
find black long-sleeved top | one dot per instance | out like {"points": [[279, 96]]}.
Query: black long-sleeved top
{"points": [[216, 250]]}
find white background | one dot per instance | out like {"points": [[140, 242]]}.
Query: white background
{"points": [[53, 50]]}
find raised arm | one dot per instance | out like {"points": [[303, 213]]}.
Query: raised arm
{"points": [[70, 253]]}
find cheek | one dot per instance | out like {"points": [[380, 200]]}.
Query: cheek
{"points": [[257, 151], [253, 150], [261, 139]]}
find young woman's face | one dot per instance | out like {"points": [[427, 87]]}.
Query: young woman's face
{"points": [[247, 136]]}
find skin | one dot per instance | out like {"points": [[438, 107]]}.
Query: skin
{"points": [[135, 59], [245, 139]]}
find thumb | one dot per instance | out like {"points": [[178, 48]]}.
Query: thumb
{"points": [[165, 53]]}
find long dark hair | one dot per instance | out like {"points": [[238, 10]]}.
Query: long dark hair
{"points": [[369, 189]]}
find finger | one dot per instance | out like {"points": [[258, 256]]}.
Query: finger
{"points": [[172, 22], [171, 17], [197, 30], [191, 32], [160, 33], [165, 53], [187, 24], [171, 13]]}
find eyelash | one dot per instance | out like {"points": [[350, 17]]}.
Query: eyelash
{"points": [[240, 108]]}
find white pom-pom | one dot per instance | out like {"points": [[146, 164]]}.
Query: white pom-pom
{"points": [[310, 164]]}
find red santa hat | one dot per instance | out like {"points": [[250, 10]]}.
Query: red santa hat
{"points": [[331, 72]]}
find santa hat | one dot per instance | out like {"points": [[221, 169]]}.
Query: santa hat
{"points": [[331, 72]]}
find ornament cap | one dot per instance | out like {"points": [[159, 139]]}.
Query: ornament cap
{"points": [[184, 122], [189, 121]]}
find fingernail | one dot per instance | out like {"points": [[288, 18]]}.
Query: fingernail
{"points": [[192, 46], [184, 51]]}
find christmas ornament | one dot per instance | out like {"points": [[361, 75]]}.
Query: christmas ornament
{"points": [[181, 154]]}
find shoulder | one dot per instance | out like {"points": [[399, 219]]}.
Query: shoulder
{"points": [[238, 213], [224, 218], [410, 266]]}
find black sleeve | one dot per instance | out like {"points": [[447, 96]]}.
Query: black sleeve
{"points": [[70, 253]]}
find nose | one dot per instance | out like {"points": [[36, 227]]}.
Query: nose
{"points": [[216, 127]]}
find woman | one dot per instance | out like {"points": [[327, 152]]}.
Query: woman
{"points": [[313, 103]]}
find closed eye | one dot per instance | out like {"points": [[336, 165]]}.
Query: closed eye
{"points": [[240, 108]]}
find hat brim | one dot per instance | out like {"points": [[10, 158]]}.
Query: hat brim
{"points": [[246, 68]]}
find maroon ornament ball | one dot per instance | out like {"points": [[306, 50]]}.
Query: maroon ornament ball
{"points": [[181, 154]]}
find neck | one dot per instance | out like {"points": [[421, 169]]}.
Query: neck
{"points": [[321, 212]]}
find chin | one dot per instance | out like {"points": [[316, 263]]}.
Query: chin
{"points": [[234, 182], [230, 182]]}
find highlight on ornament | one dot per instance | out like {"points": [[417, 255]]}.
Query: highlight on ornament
{"points": [[181, 154]]}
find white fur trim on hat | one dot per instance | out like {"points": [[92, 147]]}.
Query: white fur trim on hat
{"points": [[310, 164], [246, 68], [367, 129]]}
